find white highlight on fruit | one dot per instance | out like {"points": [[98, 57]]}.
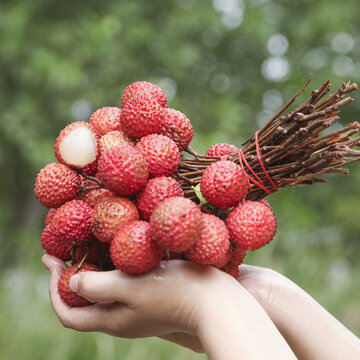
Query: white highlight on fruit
{"points": [[79, 147]]}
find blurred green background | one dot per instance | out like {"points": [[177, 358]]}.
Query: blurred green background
{"points": [[229, 65]]}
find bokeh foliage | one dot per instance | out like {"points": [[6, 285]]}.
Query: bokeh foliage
{"points": [[228, 65]]}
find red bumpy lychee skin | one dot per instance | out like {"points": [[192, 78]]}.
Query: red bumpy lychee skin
{"points": [[132, 249], [105, 119], [91, 192], [176, 224], [110, 215], [49, 216], [265, 202], [154, 192], [69, 297], [224, 184], [77, 145], [221, 149], [232, 266], [61, 250], [114, 138], [141, 115], [72, 222], [123, 170], [91, 169], [141, 87], [161, 154], [251, 225], [55, 184], [213, 243], [177, 127]]}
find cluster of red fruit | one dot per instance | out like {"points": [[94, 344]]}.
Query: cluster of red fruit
{"points": [[115, 202]]}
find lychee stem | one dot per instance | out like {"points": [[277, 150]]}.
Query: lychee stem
{"points": [[291, 147], [83, 259], [86, 176]]}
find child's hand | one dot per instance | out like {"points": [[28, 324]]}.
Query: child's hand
{"points": [[178, 296]]}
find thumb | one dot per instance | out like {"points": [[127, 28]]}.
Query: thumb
{"points": [[100, 286]]}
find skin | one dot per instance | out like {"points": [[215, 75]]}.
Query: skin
{"points": [[176, 297], [227, 319]]}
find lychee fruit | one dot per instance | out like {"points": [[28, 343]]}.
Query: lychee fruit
{"points": [[55, 184], [72, 222], [154, 192], [251, 225], [141, 115], [123, 170], [224, 184], [161, 154], [105, 119], [177, 127], [93, 195], [68, 296], [110, 215], [265, 202], [77, 145], [221, 149], [213, 243], [114, 138], [61, 250], [49, 216], [90, 169], [141, 87], [237, 257], [176, 224], [132, 249]]}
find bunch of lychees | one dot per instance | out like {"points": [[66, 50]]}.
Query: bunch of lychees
{"points": [[115, 201]]}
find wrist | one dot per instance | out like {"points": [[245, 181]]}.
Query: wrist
{"points": [[232, 324]]}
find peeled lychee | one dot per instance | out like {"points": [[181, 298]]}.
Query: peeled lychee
{"points": [[60, 249], [68, 296], [224, 184], [176, 224], [177, 127], [72, 222], [123, 170], [161, 154], [141, 87], [251, 225], [132, 249], [221, 149], [105, 119], [154, 192], [77, 145], [55, 184], [213, 243], [114, 138], [141, 115], [110, 215]]}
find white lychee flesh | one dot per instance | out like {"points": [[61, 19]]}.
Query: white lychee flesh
{"points": [[78, 148]]}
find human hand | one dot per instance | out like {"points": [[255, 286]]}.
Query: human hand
{"points": [[309, 329], [178, 296]]}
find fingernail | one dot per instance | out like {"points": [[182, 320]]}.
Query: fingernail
{"points": [[73, 283]]}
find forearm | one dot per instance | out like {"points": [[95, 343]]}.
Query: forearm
{"points": [[310, 330], [224, 336]]}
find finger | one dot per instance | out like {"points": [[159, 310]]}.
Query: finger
{"points": [[88, 318], [102, 286], [50, 261]]}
